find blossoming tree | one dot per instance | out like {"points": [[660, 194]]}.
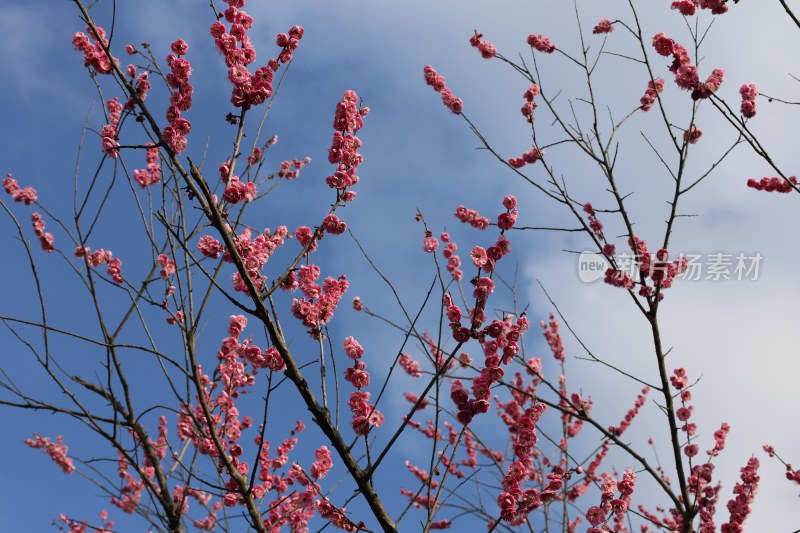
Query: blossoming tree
{"points": [[208, 329]]}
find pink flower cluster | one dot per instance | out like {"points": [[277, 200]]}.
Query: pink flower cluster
{"points": [[291, 169], [289, 43], [364, 414], [692, 135], [527, 109], [249, 89], [686, 75], [791, 475], [141, 85], [663, 270], [335, 516], [45, 238], [487, 258], [486, 48], [239, 362], [688, 7], [453, 260], [598, 515], [660, 270], [749, 94], [233, 379], [180, 98], [604, 26], [618, 278], [316, 309], [680, 381], [553, 338], [435, 80], [94, 55], [306, 238], [27, 195], [323, 463], [471, 217], [210, 247], [685, 7], [343, 152], [540, 43], [774, 184], [356, 375], [506, 221], [235, 190], [745, 493], [594, 224], [152, 174], [430, 244], [515, 502], [56, 450], [499, 341], [167, 266], [528, 158], [409, 365], [83, 527], [109, 132], [255, 252], [102, 257], [132, 487], [631, 414], [651, 94]]}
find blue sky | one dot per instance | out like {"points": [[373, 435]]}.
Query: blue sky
{"points": [[739, 337]]}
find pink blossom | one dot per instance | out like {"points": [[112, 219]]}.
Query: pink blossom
{"points": [[603, 26], [435, 80], [56, 450], [685, 7], [774, 184], [27, 195], [749, 94], [152, 174], [210, 247], [409, 365], [485, 48], [663, 44], [692, 135], [541, 44]]}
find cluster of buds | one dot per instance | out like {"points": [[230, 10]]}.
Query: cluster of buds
{"points": [[45, 237], [527, 109], [688, 8], [514, 501], [603, 26], [541, 44], [347, 121], [749, 94], [102, 257], [152, 174], [110, 132], [471, 217], [94, 53], [528, 158], [180, 98], [486, 49], [598, 515], [651, 94], [773, 184], [25, 195], [435, 80], [686, 75], [453, 260]]}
